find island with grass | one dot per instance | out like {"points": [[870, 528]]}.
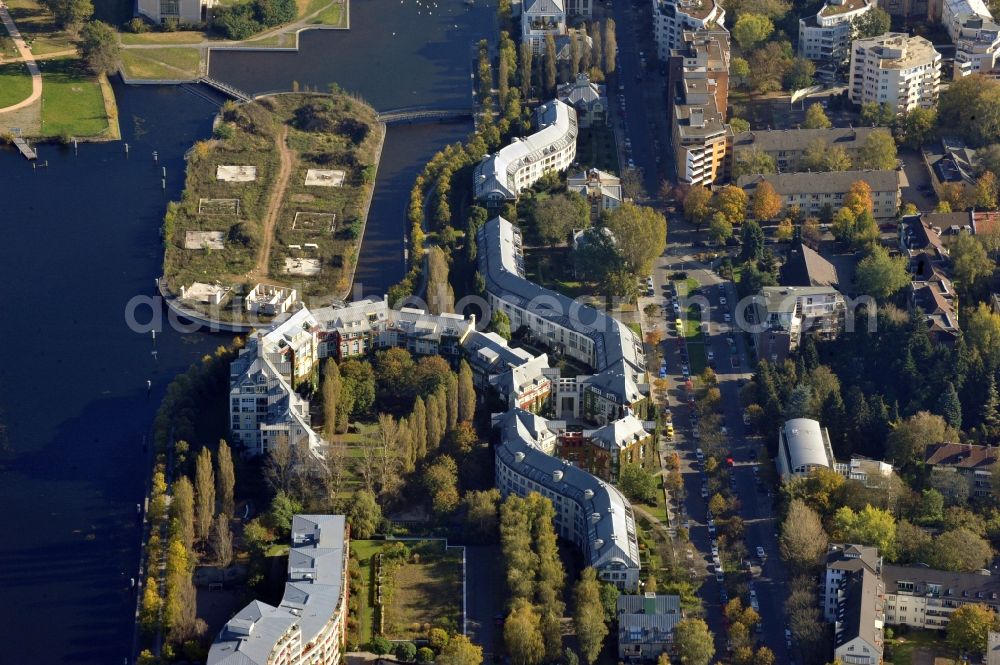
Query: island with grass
{"points": [[274, 207]]}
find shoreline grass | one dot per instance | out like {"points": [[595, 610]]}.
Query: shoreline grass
{"points": [[72, 101], [15, 83], [162, 63]]}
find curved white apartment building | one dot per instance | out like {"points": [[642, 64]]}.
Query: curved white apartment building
{"points": [[827, 35], [505, 174]]}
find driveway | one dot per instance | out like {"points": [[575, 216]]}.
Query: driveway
{"points": [[916, 176]]}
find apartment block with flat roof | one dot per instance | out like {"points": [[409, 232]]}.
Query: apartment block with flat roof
{"points": [[826, 37], [895, 69]]}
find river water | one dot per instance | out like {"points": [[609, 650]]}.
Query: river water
{"points": [[80, 239]]}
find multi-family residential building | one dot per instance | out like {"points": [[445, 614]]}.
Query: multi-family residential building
{"points": [[783, 314], [646, 626], [953, 14], [264, 409], [591, 513], [787, 147], [697, 88], [602, 190], [605, 450], [858, 629], [503, 175], [935, 296], [951, 161], [565, 326], [842, 560], [803, 445], [924, 598], [519, 378], [812, 191], [540, 18], [369, 325], [895, 69], [826, 37], [183, 12], [805, 267], [588, 98], [921, 243], [974, 462], [977, 47], [672, 18], [309, 626], [291, 347], [931, 290]]}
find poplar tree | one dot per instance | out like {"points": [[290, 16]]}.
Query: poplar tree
{"points": [[442, 407], [596, 52], [182, 511], [466, 393], [550, 65], [452, 393], [332, 385], [526, 70], [435, 426], [610, 46], [588, 617], [419, 429], [225, 478], [204, 485], [222, 541]]}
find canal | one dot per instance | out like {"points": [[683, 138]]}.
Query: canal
{"points": [[81, 239]]}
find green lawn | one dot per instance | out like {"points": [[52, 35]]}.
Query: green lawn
{"points": [[72, 102], [363, 551], [903, 647], [162, 63], [179, 37], [15, 83], [38, 27], [333, 15]]}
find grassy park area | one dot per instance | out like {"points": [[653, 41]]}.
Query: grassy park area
{"points": [[73, 102], [171, 63], [919, 647], [423, 589], [38, 27], [15, 83]]}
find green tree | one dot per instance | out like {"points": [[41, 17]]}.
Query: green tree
{"points": [[525, 74], [751, 30], [719, 229], [480, 510], [739, 125], [204, 485], [182, 511], [800, 75], [752, 237], [753, 161], [364, 514], [909, 439], [522, 634], [556, 216], [637, 483], [960, 549], [500, 324], [225, 478], [694, 642], [739, 69], [878, 151], [916, 126], [816, 117], [100, 48], [441, 481], [640, 234], [872, 24], [969, 261], [880, 275], [71, 14], [150, 606], [406, 651], [869, 526], [425, 655], [280, 513], [609, 600], [969, 627], [987, 191], [460, 651], [970, 107], [731, 201], [588, 618], [221, 541]]}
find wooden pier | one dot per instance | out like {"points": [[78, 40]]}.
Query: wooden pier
{"points": [[26, 150]]}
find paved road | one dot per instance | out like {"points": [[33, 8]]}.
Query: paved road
{"points": [[27, 57], [732, 363]]}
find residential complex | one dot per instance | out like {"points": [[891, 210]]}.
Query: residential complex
{"points": [[953, 14], [588, 99], [519, 379], [812, 191], [646, 626], [602, 190], [841, 561], [309, 626], [930, 290], [672, 18], [922, 597], [783, 314], [589, 512], [858, 629], [605, 450], [826, 37], [973, 462], [976, 47], [503, 175], [895, 69], [787, 147], [578, 331], [540, 18], [697, 89]]}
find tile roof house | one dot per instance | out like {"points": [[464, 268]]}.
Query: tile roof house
{"points": [[976, 463], [603, 190], [805, 266], [812, 191], [923, 597]]}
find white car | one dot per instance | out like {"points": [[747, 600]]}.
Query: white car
{"points": [[704, 492], [715, 550], [719, 577], [761, 554], [711, 355], [700, 455], [727, 318], [722, 300]]}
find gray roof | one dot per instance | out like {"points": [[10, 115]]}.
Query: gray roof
{"points": [[618, 434], [778, 299], [964, 587], [833, 182], [805, 267], [635, 626], [611, 533], [582, 92], [853, 557], [805, 444], [313, 593], [794, 140], [618, 355], [860, 614], [544, 7], [374, 315]]}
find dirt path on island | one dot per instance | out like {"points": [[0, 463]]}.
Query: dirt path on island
{"points": [[274, 205]]}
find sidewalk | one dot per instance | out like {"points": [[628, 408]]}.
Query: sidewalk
{"points": [[27, 58]]}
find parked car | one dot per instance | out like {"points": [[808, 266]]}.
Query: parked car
{"points": [[722, 300], [761, 554]]}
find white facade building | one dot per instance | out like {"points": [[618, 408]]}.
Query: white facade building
{"points": [[309, 626], [540, 18], [505, 174], [827, 35], [977, 46], [841, 560], [895, 69], [955, 13], [803, 445], [185, 12], [589, 512], [672, 18]]}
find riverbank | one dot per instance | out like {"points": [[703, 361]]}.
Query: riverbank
{"points": [[279, 196]]}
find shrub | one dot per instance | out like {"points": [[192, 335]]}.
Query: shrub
{"points": [[406, 651], [425, 655], [379, 645], [138, 26]]}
